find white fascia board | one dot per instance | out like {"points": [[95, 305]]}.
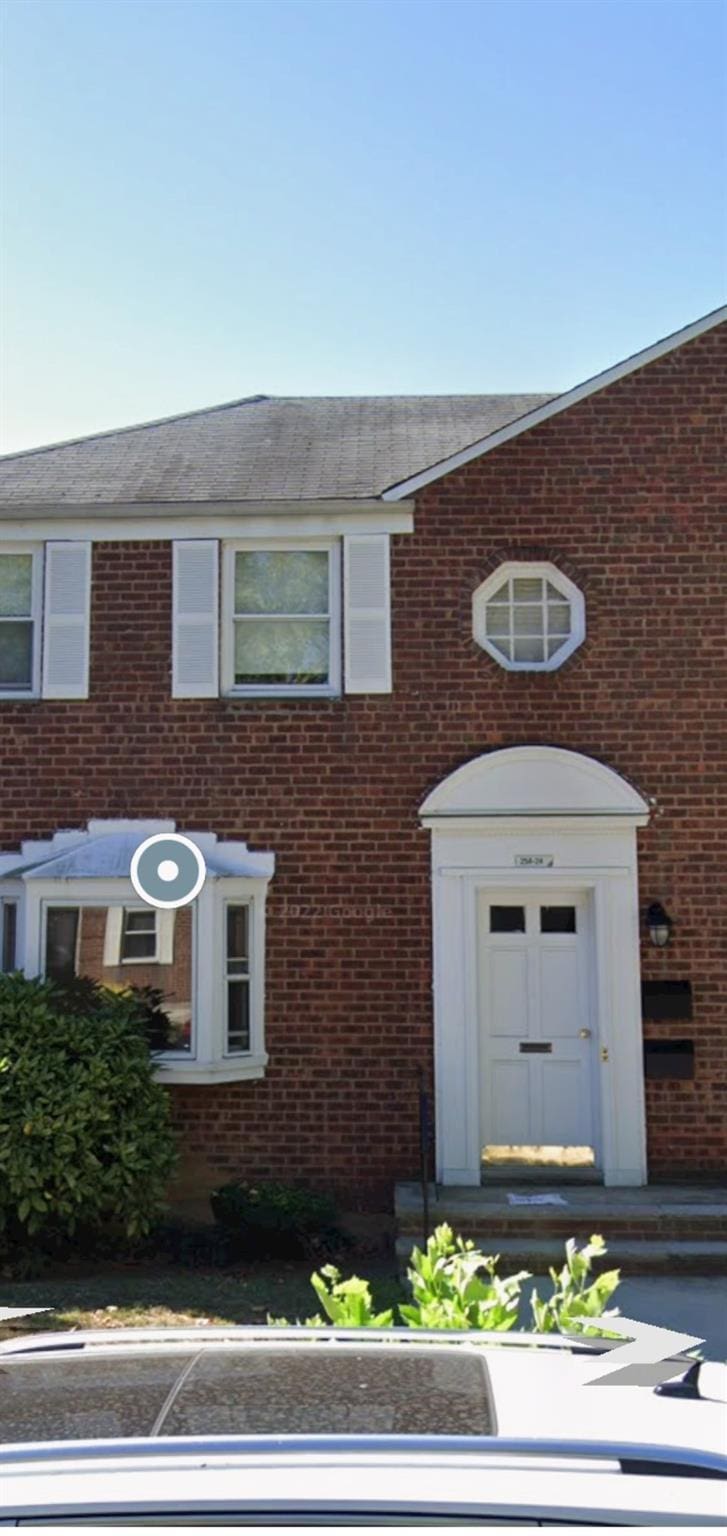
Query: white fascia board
{"points": [[600, 381], [258, 520], [498, 823]]}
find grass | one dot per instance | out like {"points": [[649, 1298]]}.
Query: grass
{"points": [[157, 1296]]}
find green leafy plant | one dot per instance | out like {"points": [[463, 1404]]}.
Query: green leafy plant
{"points": [[576, 1299], [455, 1286], [347, 1303], [85, 1136], [276, 1220]]}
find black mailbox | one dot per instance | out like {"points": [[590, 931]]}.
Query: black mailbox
{"points": [[669, 1058], [663, 1000]]}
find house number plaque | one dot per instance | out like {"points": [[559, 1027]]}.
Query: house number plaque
{"points": [[534, 860]]}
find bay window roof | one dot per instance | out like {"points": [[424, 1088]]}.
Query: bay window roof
{"points": [[104, 852]]}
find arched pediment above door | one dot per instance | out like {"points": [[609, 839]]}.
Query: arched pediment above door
{"points": [[534, 781]]}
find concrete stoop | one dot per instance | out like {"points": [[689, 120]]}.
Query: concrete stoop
{"points": [[662, 1229]]}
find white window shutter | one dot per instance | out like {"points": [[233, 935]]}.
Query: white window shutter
{"points": [[112, 936], [367, 613], [165, 936], [67, 621], [195, 621]]}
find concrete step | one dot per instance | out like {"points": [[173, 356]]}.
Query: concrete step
{"points": [[646, 1257], [658, 1229], [699, 1213]]}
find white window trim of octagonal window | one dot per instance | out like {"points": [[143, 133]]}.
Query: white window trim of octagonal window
{"points": [[522, 618]]}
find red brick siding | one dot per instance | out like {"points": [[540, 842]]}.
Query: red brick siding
{"points": [[626, 492]]}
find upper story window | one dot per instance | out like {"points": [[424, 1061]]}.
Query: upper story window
{"points": [[19, 621], [282, 619], [529, 617]]}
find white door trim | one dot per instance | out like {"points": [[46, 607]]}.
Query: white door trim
{"points": [[616, 997], [545, 819]]}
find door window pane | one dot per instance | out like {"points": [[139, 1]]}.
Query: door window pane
{"points": [[507, 919], [557, 919]]}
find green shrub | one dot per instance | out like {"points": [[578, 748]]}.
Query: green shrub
{"points": [[85, 1138], [276, 1220], [347, 1303], [454, 1286], [573, 1303]]}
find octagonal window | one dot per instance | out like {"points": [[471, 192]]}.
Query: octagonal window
{"points": [[528, 617]]}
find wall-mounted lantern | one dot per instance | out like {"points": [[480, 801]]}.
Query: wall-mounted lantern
{"points": [[659, 924]]}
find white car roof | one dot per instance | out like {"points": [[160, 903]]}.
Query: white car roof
{"points": [[279, 1418]]}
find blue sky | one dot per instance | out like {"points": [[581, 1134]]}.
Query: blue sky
{"points": [[207, 200]]}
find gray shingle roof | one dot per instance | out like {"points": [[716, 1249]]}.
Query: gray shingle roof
{"points": [[288, 448]]}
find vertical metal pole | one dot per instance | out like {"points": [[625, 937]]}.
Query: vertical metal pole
{"points": [[424, 1152]]}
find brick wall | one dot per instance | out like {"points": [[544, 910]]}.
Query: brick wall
{"points": [[626, 492]]}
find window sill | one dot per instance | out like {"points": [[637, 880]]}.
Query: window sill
{"points": [[301, 692], [229, 1070], [17, 695]]}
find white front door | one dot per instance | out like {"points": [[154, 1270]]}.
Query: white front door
{"points": [[537, 1037]]}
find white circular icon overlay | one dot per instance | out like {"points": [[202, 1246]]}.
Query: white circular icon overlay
{"points": [[168, 870]]}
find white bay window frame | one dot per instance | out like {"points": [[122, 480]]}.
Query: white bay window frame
{"points": [[208, 1060], [329, 690], [10, 896], [35, 617]]}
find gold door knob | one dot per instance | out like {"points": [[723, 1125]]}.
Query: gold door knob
{"points": [[604, 1053], [584, 1034]]}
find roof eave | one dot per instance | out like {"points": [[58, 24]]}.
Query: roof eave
{"points": [[62, 510], [406, 488]]}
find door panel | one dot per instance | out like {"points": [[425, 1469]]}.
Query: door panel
{"points": [[561, 1007], [566, 1111], [511, 1102], [508, 988], [538, 1047]]}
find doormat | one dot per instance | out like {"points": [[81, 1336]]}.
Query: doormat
{"points": [[536, 1200]]}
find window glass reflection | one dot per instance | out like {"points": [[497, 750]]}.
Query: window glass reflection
{"points": [[143, 951]]}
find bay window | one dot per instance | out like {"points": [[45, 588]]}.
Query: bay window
{"points": [[199, 970]]}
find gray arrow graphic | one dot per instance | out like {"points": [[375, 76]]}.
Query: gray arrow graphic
{"points": [[642, 1362]]}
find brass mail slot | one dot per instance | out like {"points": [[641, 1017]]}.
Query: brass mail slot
{"points": [[533, 1047]]}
